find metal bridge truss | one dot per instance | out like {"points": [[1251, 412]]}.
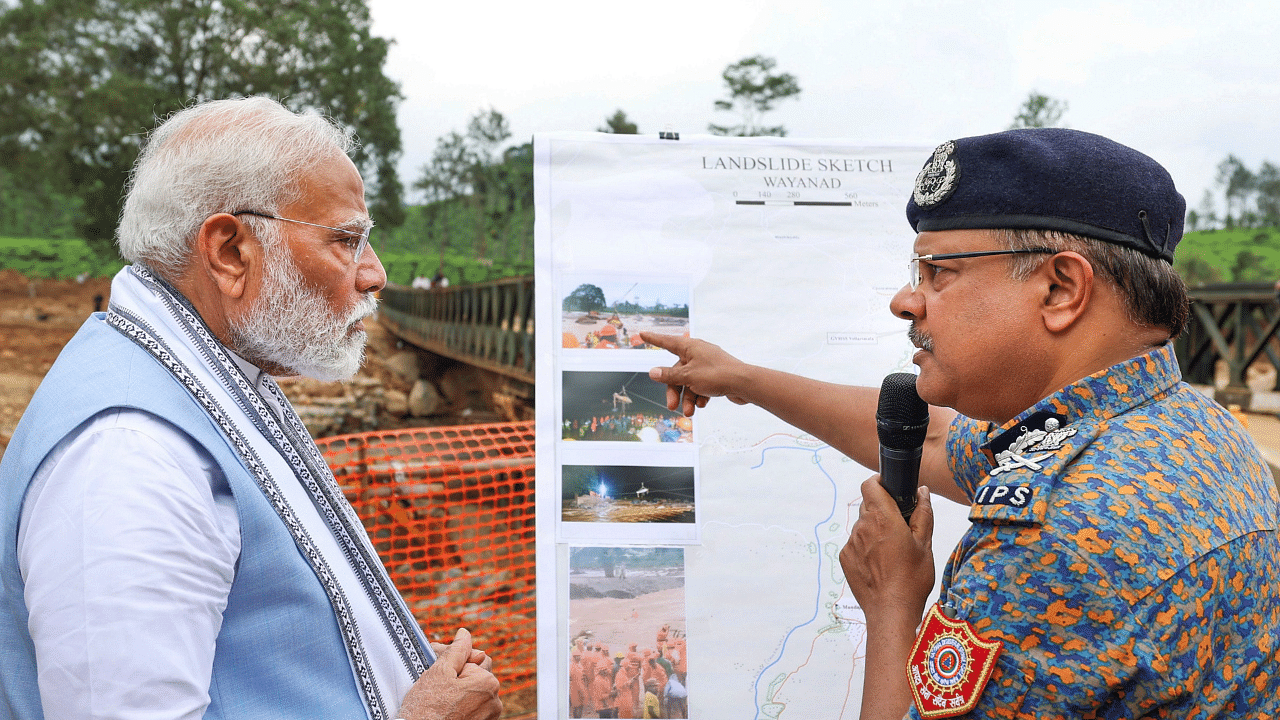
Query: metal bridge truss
{"points": [[1236, 322], [489, 325]]}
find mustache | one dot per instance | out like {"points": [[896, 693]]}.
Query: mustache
{"points": [[364, 307], [920, 338]]}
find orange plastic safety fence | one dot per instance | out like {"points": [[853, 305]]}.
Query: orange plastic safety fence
{"points": [[450, 511]]}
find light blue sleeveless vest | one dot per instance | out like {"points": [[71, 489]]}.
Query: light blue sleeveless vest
{"points": [[279, 653]]}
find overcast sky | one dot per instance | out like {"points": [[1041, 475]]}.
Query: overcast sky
{"points": [[1185, 82]]}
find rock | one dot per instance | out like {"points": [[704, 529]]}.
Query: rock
{"points": [[424, 399], [404, 366], [462, 387], [507, 407], [396, 403], [321, 422]]}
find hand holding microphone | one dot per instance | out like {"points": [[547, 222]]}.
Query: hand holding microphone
{"points": [[902, 420], [889, 567]]}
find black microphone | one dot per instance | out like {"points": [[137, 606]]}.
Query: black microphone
{"points": [[902, 419]]}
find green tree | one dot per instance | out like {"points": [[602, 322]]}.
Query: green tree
{"points": [[486, 132], [513, 201], [84, 80], [1197, 271], [1250, 268], [35, 211], [1236, 182], [584, 298], [1267, 184], [473, 185], [1039, 111], [753, 90], [443, 180], [1208, 212], [618, 124], [461, 167]]}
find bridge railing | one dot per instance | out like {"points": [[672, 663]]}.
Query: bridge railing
{"points": [[489, 325], [1235, 322]]}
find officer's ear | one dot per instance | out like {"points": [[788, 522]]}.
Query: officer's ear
{"points": [[1067, 282], [226, 251]]}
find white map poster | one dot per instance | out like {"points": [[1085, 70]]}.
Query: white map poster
{"points": [[705, 549]]}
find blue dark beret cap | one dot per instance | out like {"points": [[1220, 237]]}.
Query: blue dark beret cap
{"points": [[1050, 179]]}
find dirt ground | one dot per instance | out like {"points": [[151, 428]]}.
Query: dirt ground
{"points": [[39, 317]]}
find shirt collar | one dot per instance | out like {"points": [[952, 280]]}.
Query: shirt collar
{"points": [[1108, 393], [258, 378], [251, 371]]}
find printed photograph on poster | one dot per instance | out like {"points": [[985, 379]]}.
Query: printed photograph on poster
{"points": [[612, 406], [604, 312], [626, 494], [627, 633]]}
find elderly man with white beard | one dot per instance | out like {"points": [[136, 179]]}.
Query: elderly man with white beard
{"points": [[172, 543]]}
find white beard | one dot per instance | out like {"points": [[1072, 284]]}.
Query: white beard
{"points": [[292, 326]]}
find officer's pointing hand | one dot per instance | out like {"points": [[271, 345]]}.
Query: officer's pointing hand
{"points": [[703, 371]]}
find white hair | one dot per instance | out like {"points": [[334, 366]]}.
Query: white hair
{"points": [[219, 156]]}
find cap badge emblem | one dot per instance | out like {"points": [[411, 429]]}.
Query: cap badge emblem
{"points": [[937, 179]]}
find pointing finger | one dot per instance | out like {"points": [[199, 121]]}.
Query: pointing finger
{"points": [[670, 343]]}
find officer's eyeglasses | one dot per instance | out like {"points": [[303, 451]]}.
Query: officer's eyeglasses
{"points": [[913, 267], [360, 238]]}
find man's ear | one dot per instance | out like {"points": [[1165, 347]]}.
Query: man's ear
{"points": [[226, 251], [1068, 281]]}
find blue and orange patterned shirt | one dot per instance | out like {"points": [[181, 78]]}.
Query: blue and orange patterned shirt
{"points": [[1124, 550]]}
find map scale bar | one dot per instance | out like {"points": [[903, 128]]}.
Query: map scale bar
{"points": [[795, 202]]}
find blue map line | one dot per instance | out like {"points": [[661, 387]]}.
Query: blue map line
{"points": [[817, 459]]}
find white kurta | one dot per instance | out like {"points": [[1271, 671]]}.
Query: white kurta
{"points": [[127, 546]]}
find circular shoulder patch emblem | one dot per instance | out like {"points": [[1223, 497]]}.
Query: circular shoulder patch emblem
{"points": [[938, 178], [947, 662]]}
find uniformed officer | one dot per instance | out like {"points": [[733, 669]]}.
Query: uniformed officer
{"points": [[1123, 557]]}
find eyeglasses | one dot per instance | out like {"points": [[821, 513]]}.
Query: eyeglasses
{"points": [[913, 266], [356, 251]]}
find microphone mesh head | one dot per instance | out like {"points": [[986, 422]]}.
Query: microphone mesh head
{"points": [[902, 418]]}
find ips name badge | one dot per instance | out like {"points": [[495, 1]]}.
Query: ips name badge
{"points": [[1012, 495]]}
